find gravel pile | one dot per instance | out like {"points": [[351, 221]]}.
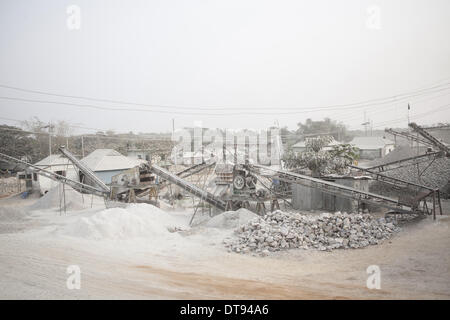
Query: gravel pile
{"points": [[279, 231]]}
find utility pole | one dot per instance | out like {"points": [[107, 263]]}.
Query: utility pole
{"points": [[50, 129], [82, 146], [408, 113], [365, 123], [49, 142]]}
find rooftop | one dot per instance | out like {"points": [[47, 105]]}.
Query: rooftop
{"points": [[302, 144], [53, 160], [371, 142], [109, 159]]}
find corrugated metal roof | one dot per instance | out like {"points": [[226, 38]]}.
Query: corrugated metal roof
{"points": [[109, 159], [53, 160]]}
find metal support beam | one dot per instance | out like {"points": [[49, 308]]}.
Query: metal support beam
{"points": [[56, 177], [344, 191], [192, 189], [84, 169]]}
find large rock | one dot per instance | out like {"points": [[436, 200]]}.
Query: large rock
{"points": [[279, 230]]}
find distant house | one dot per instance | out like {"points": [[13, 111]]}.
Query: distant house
{"points": [[372, 147], [108, 162], [55, 163], [301, 146], [144, 154]]}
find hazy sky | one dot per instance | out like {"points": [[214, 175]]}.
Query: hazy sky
{"points": [[230, 56]]}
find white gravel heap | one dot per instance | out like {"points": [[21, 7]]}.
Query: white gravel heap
{"points": [[279, 230], [231, 219], [137, 220]]}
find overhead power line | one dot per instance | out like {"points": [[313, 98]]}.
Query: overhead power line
{"points": [[104, 108], [416, 116], [296, 110], [348, 116]]}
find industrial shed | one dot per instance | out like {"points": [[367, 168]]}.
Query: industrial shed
{"points": [[107, 162], [55, 163]]}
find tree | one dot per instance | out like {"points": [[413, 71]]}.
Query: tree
{"points": [[319, 161], [60, 132], [324, 127], [18, 143]]}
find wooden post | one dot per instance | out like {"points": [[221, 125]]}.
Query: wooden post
{"points": [[64, 194], [274, 205], [229, 205], [434, 205], [439, 201], [131, 196], [261, 208]]}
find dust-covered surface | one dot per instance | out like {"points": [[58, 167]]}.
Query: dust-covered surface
{"points": [[65, 197], [231, 219], [142, 252], [433, 173], [326, 231]]}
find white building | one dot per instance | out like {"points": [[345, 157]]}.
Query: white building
{"points": [[372, 147], [55, 163], [301, 146], [143, 154]]}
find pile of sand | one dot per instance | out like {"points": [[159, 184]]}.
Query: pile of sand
{"points": [[231, 219], [54, 198], [134, 221]]}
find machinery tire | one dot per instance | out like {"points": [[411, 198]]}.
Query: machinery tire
{"points": [[239, 182]]}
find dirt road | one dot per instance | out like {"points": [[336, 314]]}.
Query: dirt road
{"points": [[415, 264]]}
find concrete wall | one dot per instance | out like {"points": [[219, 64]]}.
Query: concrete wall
{"points": [[44, 184], [306, 198]]}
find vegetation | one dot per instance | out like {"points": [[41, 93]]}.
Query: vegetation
{"points": [[323, 127], [320, 161], [31, 140]]}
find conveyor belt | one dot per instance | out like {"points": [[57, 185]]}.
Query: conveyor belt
{"points": [[194, 169], [84, 169], [182, 174], [411, 161], [438, 144], [409, 136], [341, 190], [189, 187], [391, 180], [56, 177]]}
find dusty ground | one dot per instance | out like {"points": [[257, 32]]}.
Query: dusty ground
{"points": [[415, 264]]}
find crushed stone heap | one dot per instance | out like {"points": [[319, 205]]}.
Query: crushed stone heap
{"points": [[279, 231]]}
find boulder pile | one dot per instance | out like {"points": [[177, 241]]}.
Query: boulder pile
{"points": [[279, 231]]}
